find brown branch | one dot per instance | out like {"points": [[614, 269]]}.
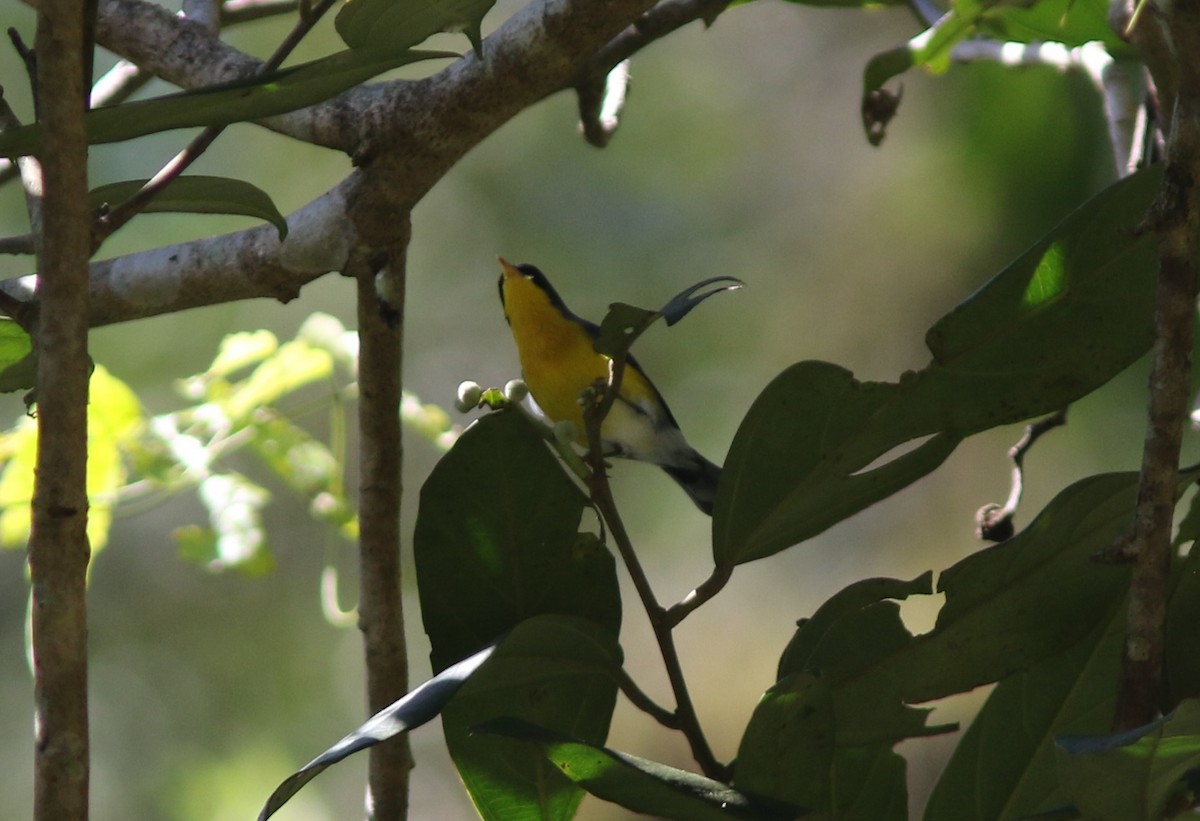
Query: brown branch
{"points": [[685, 712], [1177, 222], [381, 617], [58, 545]]}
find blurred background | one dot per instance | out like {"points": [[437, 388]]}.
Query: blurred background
{"points": [[741, 153]]}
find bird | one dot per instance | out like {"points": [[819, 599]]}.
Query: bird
{"points": [[559, 362]]}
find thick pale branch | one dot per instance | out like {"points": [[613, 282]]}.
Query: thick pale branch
{"points": [[408, 134]]}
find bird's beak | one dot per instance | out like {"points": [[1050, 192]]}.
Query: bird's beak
{"points": [[507, 268]]}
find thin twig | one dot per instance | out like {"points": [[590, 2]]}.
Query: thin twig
{"points": [[23, 244], [638, 698], [685, 711], [127, 210], [994, 523]]}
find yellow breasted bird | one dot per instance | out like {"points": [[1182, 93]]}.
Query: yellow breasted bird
{"points": [[559, 362]]}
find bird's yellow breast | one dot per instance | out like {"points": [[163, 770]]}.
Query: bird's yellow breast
{"points": [[559, 361]]}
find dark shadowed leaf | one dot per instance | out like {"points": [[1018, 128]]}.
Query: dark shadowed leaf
{"points": [[1136, 775], [416, 708], [1064, 318], [497, 541], [637, 784], [788, 747], [1003, 768], [253, 99], [198, 195], [401, 24], [553, 671]]}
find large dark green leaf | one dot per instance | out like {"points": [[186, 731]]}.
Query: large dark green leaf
{"points": [[555, 672], [1003, 768], [788, 747], [401, 24], [1064, 318], [1149, 773], [278, 93], [1007, 608], [497, 541], [645, 787], [197, 194]]}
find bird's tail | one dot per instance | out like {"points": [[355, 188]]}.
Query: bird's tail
{"points": [[698, 479]]}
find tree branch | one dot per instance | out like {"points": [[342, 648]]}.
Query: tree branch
{"points": [[58, 545], [381, 617], [1177, 222]]}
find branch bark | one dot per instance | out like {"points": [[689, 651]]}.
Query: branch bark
{"points": [[1177, 221], [380, 615], [58, 546]]}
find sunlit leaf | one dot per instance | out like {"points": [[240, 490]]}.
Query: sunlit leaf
{"points": [[253, 99], [295, 365], [197, 195], [643, 786], [234, 505], [18, 366]]}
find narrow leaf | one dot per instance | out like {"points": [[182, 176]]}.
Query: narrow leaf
{"points": [[418, 706], [253, 99], [198, 195]]}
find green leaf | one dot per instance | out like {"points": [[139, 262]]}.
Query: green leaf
{"points": [[114, 419], [497, 541], [645, 787], [294, 365], [1003, 768], [18, 365], [401, 24], [555, 672], [1181, 663], [868, 783], [278, 93], [853, 642], [418, 706], [1149, 773], [787, 750], [198, 195], [234, 506], [1060, 321], [1071, 23]]}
